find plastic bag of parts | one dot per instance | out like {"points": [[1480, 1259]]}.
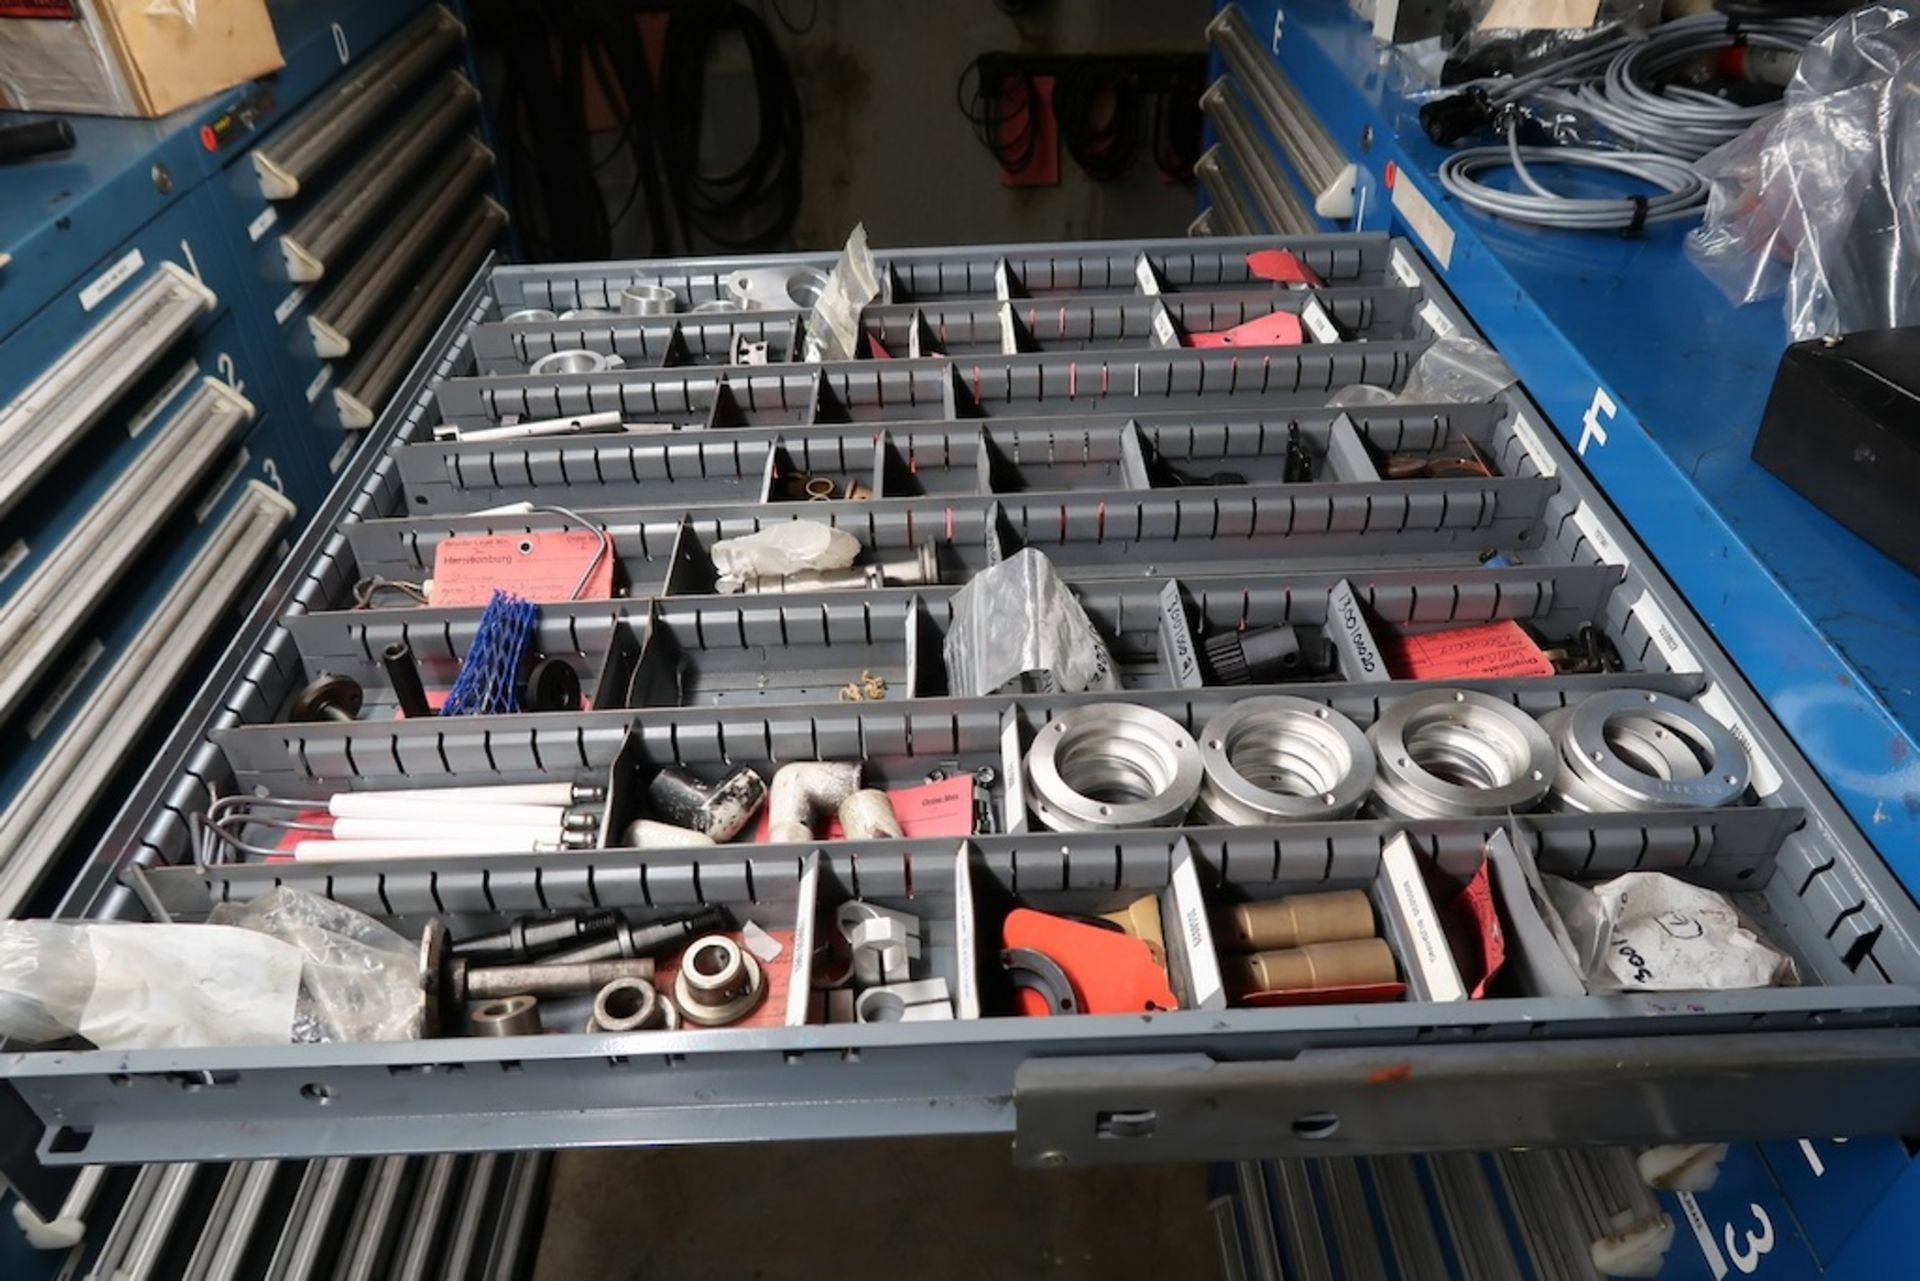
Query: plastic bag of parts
{"points": [[1650, 932], [1454, 370], [359, 981], [1489, 38], [788, 548], [833, 326], [1821, 201], [124, 986], [1017, 625]]}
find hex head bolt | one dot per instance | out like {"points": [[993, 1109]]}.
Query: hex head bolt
{"points": [[328, 698]]}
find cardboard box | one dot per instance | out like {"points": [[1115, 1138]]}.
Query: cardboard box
{"points": [[129, 57]]}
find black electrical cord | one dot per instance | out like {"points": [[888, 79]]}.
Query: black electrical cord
{"points": [[793, 28], [1097, 108], [1003, 109], [1177, 127]]}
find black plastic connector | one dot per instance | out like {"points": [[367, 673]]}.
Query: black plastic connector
{"points": [[1448, 120]]}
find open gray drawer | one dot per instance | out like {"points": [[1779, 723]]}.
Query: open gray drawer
{"points": [[1159, 568]]}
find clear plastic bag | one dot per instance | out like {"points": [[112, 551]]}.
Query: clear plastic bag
{"points": [[791, 547], [833, 326], [1455, 370], [359, 980], [1822, 201], [1017, 625], [1650, 932]]}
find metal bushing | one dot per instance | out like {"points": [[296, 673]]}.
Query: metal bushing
{"points": [[1279, 759], [586, 313], [719, 982], [643, 298], [506, 1016], [573, 361], [1635, 749], [526, 315], [632, 1005], [1456, 753], [1112, 766]]}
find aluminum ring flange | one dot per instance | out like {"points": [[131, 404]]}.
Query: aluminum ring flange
{"points": [[1724, 765], [1647, 745], [1110, 766], [573, 361], [1278, 759], [1458, 753]]}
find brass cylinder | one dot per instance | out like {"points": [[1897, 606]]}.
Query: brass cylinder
{"points": [[1349, 963], [1296, 921]]}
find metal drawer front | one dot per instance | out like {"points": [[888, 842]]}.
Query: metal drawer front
{"points": [[70, 584], [323, 131], [389, 167], [387, 264], [1276, 197], [1226, 194], [48, 418], [1326, 173], [34, 826]]}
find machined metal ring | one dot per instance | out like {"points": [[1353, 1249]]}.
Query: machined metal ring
{"points": [[573, 361], [506, 1016], [1111, 766], [644, 298], [1457, 753], [719, 981], [525, 315], [626, 1005], [586, 313], [1277, 759], [1636, 749], [777, 288]]}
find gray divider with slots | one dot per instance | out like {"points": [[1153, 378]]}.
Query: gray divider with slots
{"points": [[982, 455]]}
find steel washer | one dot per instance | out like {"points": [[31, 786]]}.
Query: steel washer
{"points": [[1408, 789], [1321, 738], [1062, 744], [1611, 775]]}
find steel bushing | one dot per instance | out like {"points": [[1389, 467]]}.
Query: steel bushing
{"points": [[1456, 753], [643, 298], [506, 1016], [526, 315], [577, 361], [1112, 766], [1635, 749], [632, 1005], [719, 982], [1278, 759]]}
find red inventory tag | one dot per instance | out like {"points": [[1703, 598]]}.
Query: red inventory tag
{"points": [[1281, 329], [1467, 653], [543, 568], [1281, 268], [38, 9]]}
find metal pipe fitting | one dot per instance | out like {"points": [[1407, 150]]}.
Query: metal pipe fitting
{"points": [[719, 982], [644, 299], [646, 834], [1456, 753], [1110, 766], [721, 811], [805, 792], [868, 815], [1279, 759], [508, 1016], [573, 361], [1634, 750]]}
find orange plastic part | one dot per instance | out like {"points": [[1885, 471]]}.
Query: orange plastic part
{"points": [[1111, 973]]}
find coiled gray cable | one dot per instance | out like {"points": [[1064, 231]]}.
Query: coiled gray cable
{"points": [[1682, 190]]}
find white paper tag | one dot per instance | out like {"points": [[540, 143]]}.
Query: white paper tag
{"points": [[1354, 639], [1423, 219], [1665, 636], [290, 304], [1588, 522], [96, 290], [1403, 269], [1714, 702], [38, 722], [967, 991], [1002, 280], [262, 222], [763, 945], [1195, 936], [1009, 331], [1176, 639], [1145, 276], [1424, 936], [319, 383], [806, 909], [340, 455], [1319, 324], [1436, 320], [151, 410], [1013, 774], [1529, 438]]}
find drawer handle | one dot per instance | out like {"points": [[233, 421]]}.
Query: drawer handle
{"points": [[43, 422], [44, 813], [71, 583]]}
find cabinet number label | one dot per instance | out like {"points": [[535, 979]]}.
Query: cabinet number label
{"points": [[1738, 1248], [112, 278]]}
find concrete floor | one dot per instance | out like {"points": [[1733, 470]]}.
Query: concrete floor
{"points": [[928, 1209]]}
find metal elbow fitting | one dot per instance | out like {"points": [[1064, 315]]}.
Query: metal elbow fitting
{"points": [[803, 793]]}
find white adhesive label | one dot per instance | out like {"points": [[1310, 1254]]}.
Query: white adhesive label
{"points": [[112, 278], [1403, 269], [1002, 281], [151, 410], [1665, 636], [11, 558], [1013, 774], [1163, 334], [1714, 702], [319, 383], [1314, 316], [221, 486], [1423, 219], [1529, 438], [290, 304], [1176, 639], [1009, 331], [340, 455], [1587, 521], [1435, 319], [1195, 936], [1145, 276], [38, 722], [260, 225]]}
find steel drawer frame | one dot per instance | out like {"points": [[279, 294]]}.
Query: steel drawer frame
{"points": [[1842, 1054]]}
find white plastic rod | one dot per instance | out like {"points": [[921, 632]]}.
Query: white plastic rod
{"points": [[557, 794], [69, 1227], [357, 851], [435, 808], [515, 835]]}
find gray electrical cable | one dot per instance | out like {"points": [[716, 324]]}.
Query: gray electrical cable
{"points": [[1682, 190]]}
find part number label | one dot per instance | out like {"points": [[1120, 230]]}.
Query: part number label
{"points": [[290, 304], [97, 289], [1589, 524], [1423, 219], [319, 383], [1766, 778], [1665, 636], [1529, 438], [1435, 319], [262, 222]]}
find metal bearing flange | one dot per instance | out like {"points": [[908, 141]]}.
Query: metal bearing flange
{"points": [[1280, 759], [719, 982], [574, 361], [1457, 753], [1635, 749], [1112, 766]]}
